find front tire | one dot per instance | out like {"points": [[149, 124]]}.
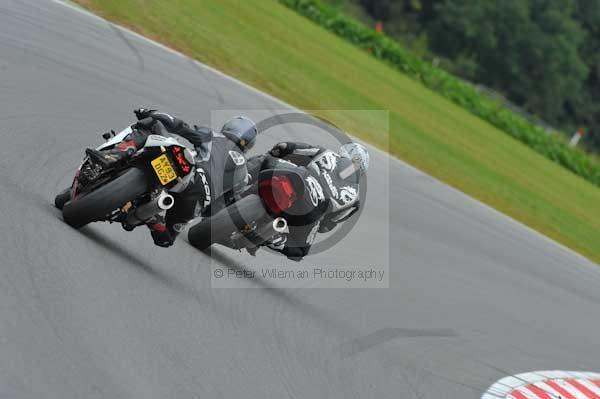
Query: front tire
{"points": [[62, 198], [96, 205]]}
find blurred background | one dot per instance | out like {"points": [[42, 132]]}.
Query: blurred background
{"points": [[542, 56]]}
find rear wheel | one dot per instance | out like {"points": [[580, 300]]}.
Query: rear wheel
{"points": [[218, 228], [99, 203]]}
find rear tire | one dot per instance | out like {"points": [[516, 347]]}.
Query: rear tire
{"points": [[222, 224], [99, 203]]}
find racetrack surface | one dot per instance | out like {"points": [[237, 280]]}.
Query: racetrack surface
{"points": [[473, 295]]}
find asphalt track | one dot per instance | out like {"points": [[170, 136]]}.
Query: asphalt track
{"points": [[472, 297]]}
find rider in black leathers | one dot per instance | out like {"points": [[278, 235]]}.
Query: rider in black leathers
{"points": [[338, 181], [220, 165]]}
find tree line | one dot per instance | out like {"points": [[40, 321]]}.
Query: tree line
{"points": [[543, 55]]}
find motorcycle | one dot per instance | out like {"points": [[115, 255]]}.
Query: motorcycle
{"points": [[133, 192], [283, 195]]}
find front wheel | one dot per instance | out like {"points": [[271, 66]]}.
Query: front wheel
{"points": [[62, 198], [219, 227], [99, 203]]}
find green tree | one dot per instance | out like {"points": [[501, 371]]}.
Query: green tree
{"points": [[542, 54], [378, 9], [584, 109], [527, 49]]}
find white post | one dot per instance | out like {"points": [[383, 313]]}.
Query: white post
{"points": [[576, 137]]}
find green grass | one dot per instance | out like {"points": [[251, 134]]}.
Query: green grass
{"points": [[272, 48]]}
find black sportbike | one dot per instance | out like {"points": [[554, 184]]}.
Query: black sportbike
{"points": [[134, 191], [282, 194]]}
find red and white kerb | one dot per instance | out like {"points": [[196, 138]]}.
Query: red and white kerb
{"points": [[547, 385]]}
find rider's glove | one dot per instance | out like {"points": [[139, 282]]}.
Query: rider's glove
{"points": [[280, 150], [143, 113], [161, 235]]}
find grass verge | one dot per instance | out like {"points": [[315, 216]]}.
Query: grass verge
{"points": [[269, 46]]}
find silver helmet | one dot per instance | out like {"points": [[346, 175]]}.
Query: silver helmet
{"points": [[242, 131]]}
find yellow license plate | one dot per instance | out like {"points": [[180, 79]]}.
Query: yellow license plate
{"points": [[164, 170]]}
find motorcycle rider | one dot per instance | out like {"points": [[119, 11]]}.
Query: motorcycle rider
{"points": [[338, 183], [220, 165]]}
